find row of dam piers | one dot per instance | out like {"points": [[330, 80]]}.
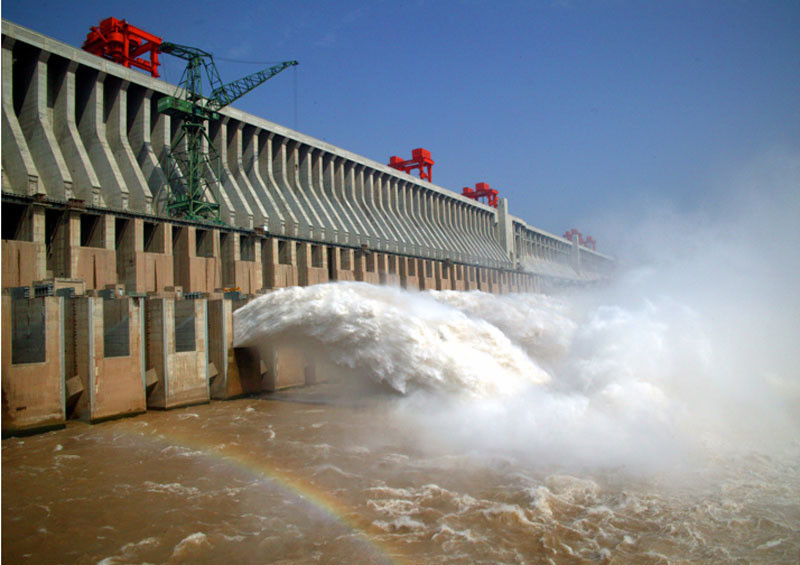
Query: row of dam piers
{"points": [[107, 315], [112, 305]]}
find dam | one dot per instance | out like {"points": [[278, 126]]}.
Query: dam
{"points": [[112, 307]]}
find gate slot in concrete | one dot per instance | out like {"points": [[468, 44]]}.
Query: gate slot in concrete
{"points": [[177, 352], [286, 367], [237, 370], [275, 367], [269, 367], [103, 351]]}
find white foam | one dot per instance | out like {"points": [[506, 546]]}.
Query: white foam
{"points": [[188, 547], [172, 488], [333, 469], [409, 341], [691, 351], [400, 524]]}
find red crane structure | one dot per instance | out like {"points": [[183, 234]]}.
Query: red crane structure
{"points": [[481, 190], [420, 159], [588, 241], [118, 41]]}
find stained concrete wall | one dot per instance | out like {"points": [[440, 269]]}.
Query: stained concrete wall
{"points": [[144, 255], [181, 375], [238, 371], [286, 366], [103, 348], [33, 377]]}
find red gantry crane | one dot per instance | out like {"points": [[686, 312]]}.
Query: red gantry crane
{"points": [[118, 41], [420, 159], [193, 165], [481, 190], [586, 242]]}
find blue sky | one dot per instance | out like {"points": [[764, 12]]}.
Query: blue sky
{"points": [[569, 108]]}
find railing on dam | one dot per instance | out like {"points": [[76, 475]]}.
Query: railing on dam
{"points": [[79, 128]]}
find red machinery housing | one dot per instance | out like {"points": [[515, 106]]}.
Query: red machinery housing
{"points": [[118, 41], [420, 159], [586, 242], [481, 190]]}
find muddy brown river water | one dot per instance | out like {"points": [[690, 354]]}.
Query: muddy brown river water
{"points": [[453, 428], [302, 477]]}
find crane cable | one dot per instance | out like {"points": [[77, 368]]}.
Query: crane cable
{"points": [[296, 95], [246, 62], [296, 90]]}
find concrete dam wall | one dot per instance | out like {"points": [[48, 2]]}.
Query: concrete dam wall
{"points": [[85, 229]]}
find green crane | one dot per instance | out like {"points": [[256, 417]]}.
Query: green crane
{"points": [[193, 164]]}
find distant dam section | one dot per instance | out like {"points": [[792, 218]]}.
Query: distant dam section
{"points": [[111, 306]]}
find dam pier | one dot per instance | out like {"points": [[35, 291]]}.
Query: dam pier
{"points": [[111, 306]]}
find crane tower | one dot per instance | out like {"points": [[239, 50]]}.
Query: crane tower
{"points": [[193, 164]]}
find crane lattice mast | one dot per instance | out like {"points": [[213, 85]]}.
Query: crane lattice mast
{"points": [[193, 164]]}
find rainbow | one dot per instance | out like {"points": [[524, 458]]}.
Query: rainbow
{"points": [[322, 501]]}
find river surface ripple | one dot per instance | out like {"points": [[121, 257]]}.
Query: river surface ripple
{"points": [[299, 478]]}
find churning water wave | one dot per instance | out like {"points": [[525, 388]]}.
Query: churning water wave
{"points": [[565, 378], [505, 429]]}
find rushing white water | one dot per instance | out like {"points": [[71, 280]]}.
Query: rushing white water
{"points": [[408, 341], [693, 348], [567, 380]]}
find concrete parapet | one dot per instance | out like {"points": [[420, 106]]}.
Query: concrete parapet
{"points": [[278, 263], [196, 256], [390, 276], [241, 262], [177, 352], [104, 349], [369, 265], [24, 251], [285, 366], [312, 267], [33, 393], [426, 275], [144, 255], [341, 264]]}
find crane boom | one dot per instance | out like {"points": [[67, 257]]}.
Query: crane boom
{"points": [[221, 94], [193, 164], [227, 94]]}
